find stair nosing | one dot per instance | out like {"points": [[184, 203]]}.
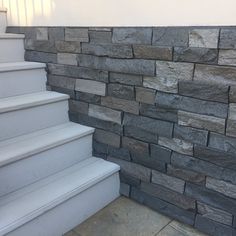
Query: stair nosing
{"points": [[11, 36], [19, 66], [111, 169], [14, 157]]}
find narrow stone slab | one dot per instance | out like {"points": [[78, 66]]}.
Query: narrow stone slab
{"points": [[215, 74], [100, 36], [126, 79], [214, 214], [76, 34], [227, 57], [168, 181], [104, 113], [206, 38], [90, 86], [67, 59], [40, 45], [69, 47], [220, 186], [176, 145], [201, 121]]}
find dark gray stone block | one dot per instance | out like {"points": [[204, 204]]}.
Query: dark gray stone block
{"points": [[106, 137], [56, 33], [40, 45], [87, 97], [191, 104], [227, 38], [132, 66], [132, 35], [78, 106], [160, 153], [158, 127], [204, 91], [121, 153], [158, 112], [99, 150], [68, 46], [125, 79], [128, 179], [152, 52], [61, 81], [191, 135], [170, 36], [69, 92], [41, 57], [163, 207], [97, 36], [121, 91], [168, 195], [197, 55], [76, 34], [145, 95]]}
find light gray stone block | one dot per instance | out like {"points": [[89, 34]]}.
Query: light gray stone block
{"points": [[168, 181], [124, 189], [174, 70], [215, 74], [232, 94], [145, 95], [132, 35], [231, 123], [104, 113], [206, 38], [201, 121], [90, 86], [69, 47], [227, 57], [169, 85], [126, 79], [214, 213], [67, 59], [220, 186], [121, 104], [40, 45], [177, 145], [41, 33], [76, 34]]}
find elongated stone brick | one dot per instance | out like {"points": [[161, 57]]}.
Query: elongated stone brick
{"points": [[76, 34], [67, 59], [125, 79], [227, 57]]}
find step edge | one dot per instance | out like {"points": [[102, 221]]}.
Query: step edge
{"points": [[44, 148], [11, 36], [21, 66], [64, 197]]}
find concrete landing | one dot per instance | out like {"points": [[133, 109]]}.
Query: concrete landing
{"points": [[125, 217]]}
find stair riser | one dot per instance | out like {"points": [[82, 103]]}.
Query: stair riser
{"points": [[12, 50], [24, 121], [73, 211], [3, 22], [21, 82], [21, 173]]}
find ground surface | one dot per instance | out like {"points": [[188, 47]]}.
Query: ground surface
{"points": [[125, 217]]}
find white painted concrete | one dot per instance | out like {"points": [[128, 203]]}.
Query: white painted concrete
{"points": [[120, 13], [3, 19]]}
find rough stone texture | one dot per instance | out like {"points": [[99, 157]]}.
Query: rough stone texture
{"points": [[69, 47], [75, 105], [160, 153], [135, 66], [187, 175], [40, 45], [76, 34], [191, 134], [170, 36], [200, 90], [201, 121], [132, 35], [174, 70], [215, 74], [41, 57], [126, 79], [228, 38], [56, 33], [100, 36], [227, 57], [61, 81], [168, 181], [121, 91], [145, 95], [88, 97], [110, 50], [221, 187], [152, 52], [177, 145], [42, 33], [162, 84], [121, 104], [105, 137], [231, 124], [197, 55], [214, 214], [124, 189], [104, 113], [67, 59], [206, 38], [232, 94], [89, 86]]}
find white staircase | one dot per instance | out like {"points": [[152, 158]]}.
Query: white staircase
{"points": [[49, 180]]}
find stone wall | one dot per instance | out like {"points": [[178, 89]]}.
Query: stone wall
{"points": [[163, 102]]}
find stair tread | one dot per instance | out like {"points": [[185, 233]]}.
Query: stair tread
{"points": [[24, 205], [20, 147], [24, 65], [11, 36], [30, 100]]}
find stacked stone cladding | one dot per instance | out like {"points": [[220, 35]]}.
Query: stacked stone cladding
{"points": [[163, 102]]}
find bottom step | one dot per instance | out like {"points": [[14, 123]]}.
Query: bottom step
{"points": [[56, 204]]}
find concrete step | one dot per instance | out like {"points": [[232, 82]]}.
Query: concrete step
{"points": [[29, 158], [31, 112], [18, 78], [3, 20], [54, 205], [11, 48]]}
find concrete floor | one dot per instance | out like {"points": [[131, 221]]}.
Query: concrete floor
{"points": [[125, 217]]}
